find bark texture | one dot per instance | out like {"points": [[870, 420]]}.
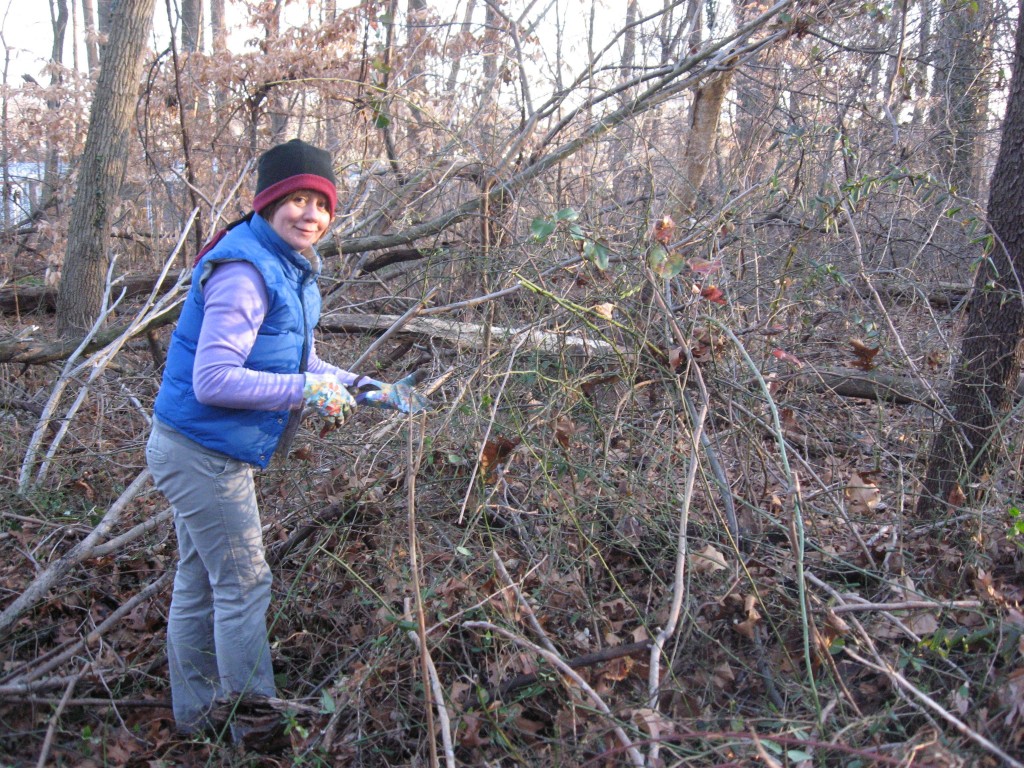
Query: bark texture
{"points": [[991, 351], [102, 169]]}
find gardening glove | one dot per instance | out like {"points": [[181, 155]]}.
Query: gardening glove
{"points": [[327, 396], [399, 396]]}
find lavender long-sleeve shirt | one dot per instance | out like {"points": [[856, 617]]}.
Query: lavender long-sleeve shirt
{"points": [[235, 304]]}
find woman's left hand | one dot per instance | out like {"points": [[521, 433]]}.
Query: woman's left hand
{"points": [[399, 396]]}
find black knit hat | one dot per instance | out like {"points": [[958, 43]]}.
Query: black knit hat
{"points": [[290, 167]]}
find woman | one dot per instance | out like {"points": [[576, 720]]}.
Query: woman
{"points": [[240, 364]]}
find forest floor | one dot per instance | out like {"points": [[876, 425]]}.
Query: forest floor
{"points": [[557, 527]]}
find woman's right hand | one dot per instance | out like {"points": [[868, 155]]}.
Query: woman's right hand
{"points": [[330, 399]]}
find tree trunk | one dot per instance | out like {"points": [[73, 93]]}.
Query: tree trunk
{"points": [[102, 169], [191, 25], [92, 48], [218, 26], [991, 350], [453, 74], [59, 21], [105, 19], [625, 183], [700, 143], [961, 90]]}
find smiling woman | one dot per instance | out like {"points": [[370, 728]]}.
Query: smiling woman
{"points": [[241, 366]]}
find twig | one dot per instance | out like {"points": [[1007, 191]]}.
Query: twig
{"points": [[442, 710], [586, 660], [531, 617], [905, 685], [412, 465], [679, 579], [556, 661], [84, 549], [54, 719], [149, 524], [55, 661], [719, 472], [807, 627], [906, 605]]}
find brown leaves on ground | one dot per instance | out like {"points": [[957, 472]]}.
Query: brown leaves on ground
{"points": [[864, 355]]}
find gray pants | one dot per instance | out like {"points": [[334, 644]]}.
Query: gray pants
{"points": [[216, 632]]}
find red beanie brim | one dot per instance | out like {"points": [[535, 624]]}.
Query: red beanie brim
{"points": [[295, 183]]}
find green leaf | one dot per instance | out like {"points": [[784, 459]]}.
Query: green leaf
{"points": [[597, 253], [327, 705], [463, 551], [656, 258], [541, 229], [567, 214], [381, 120], [665, 263], [575, 232]]}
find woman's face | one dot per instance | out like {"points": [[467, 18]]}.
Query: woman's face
{"points": [[302, 218]]}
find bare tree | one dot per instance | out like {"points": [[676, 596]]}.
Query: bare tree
{"points": [[92, 48], [191, 25], [102, 169], [218, 28], [59, 21], [105, 17], [991, 351], [962, 51]]}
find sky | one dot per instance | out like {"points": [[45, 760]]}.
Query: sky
{"points": [[27, 33]]}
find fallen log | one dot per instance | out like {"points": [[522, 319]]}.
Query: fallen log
{"points": [[28, 299], [868, 385], [471, 336]]}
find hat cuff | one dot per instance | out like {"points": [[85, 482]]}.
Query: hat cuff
{"points": [[293, 184]]}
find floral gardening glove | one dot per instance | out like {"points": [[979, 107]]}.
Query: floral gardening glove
{"points": [[329, 398], [399, 396]]}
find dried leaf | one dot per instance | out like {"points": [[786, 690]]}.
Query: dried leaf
{"points": [[708, 560], [471, 735], [713, 294], [748, 626], [654, 722], [865, 355], [786, 357], [862, 495], [618, 669], [701, 266], [564, 430], [957, 497], [495, 452], [604, 310], [664, 230]]}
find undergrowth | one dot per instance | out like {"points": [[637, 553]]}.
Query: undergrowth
{"points": [[556, 520]]}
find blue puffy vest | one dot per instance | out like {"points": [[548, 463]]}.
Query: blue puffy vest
{"points": [[293, 310]]}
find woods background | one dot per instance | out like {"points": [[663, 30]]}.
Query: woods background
{"points": [[718, 305]]}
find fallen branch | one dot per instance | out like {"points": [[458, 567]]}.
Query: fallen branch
{"points": [[586, 660], [556, 661], [470, 336], [27, 299], [57, 657], [869, 385], [900, 682], [907, 605], [81, 551]]}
